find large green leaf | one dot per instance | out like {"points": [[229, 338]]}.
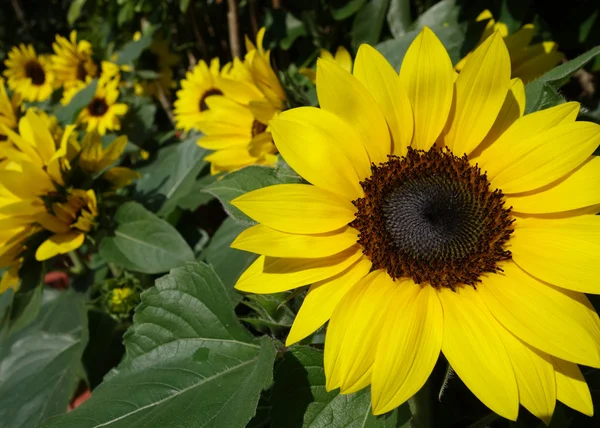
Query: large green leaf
{"points": [[228, 262], [300, 398], [143, 242], [171, 177], [444, 13], [245, 180], [399, 17], [536, 92], [133, 49], [68, 114], [368, 23], [189, 362], [39, 365], [349, 8]]}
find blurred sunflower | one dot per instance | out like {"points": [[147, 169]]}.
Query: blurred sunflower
{"points": [[103, 112], [8, 109], [199, 84], [439, 219], [28, 74], [527, 61], [342, 58], [72, 61], [236, 136]]}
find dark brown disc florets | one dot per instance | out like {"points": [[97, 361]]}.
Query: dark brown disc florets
{"points": [[431, 216], [202, 104], [35, 72]]}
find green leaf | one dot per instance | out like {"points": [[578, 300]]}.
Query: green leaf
{"points": [[300, 398], [534, 91], [132, 50], [171, 177], [143, 242], [189, 362], [294, 28], [147, 74], [443, 13], [68, 114], [243, 181], [368, 23], [40, 364], [196, 197], [513, 13], [228, 262], [74, 11], [399, 17], [347, 10]]}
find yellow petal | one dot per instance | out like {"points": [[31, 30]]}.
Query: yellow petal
{"points": [[261, 239], [10, 279], [39, 134], [525, 127], [534, 373], [563, 252], [322, 299], [428, 79], [354, 331], [558, 322], [571, 387], [409, 346], [538, 62], [113, 152], [578, 189], [59, 244], [273, 274], [342, 94], [322, 149], [481, 88], [512, 109], [544, 158], [476, 353], [296, 208], [343, 58], [380, 79]]}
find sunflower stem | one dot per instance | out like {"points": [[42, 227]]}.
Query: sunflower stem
{"points": [[78, 266], [421, 407]]}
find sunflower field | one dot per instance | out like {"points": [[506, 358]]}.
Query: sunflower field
{"points": [[299, 213]]}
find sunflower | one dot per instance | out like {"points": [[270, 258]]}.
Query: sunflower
{"points": [[8, 109], [527, 61], [72, 61], [342, 57], [199, 84], [29, 74], [438, 219], [103, 112], [236, 136]]}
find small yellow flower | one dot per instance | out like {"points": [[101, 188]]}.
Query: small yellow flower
{"points": [[342, 58], [103, 112], [121, 300], [69, 221], [72, 61], [527, 61], [29, 74]]}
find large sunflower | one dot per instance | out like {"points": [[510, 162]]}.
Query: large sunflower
{"points": [[439, 219], [527, 61], [103, 113], [72, 61], [29, 74], [236, 136], [199, 84]]}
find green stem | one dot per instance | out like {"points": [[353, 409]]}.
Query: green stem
{"points": [[114, 269], [78, 266], [421, 409]]}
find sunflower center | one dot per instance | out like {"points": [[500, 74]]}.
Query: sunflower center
{"points": [[35, 72], [431, 216], [258, 128], [98, 107], [81, 71], [202, 105]]}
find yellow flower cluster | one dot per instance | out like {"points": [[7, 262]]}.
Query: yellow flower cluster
{"points": [[47, 202], [232, 105]]}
